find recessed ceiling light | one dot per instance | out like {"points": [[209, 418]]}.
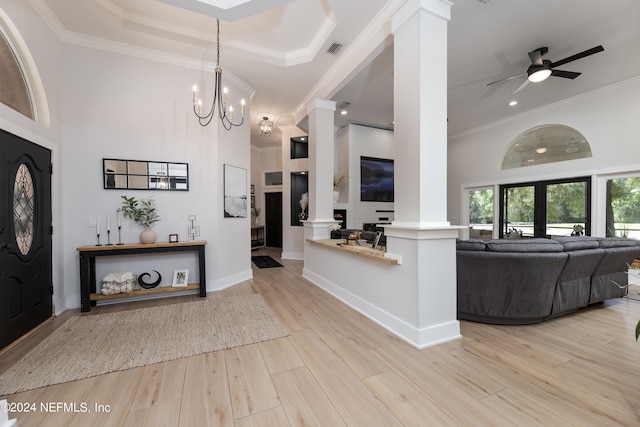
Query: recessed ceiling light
{"points": [[513, 103], [343, 112], [541, 150]]}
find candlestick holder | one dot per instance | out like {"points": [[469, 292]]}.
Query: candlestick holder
{"points": [[109, 238], [120, 235], [98, 236]]}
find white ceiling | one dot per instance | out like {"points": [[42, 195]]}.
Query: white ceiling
{"points": [[279, 47]]}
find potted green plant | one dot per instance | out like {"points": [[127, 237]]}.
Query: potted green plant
{"points": [[142, 212]]}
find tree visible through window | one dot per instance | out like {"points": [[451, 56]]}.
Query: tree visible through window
{"points": [[546, 208], [481, 214], [623, 207]]}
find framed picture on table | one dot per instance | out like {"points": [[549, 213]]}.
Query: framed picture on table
{"points": [[180, 278]]}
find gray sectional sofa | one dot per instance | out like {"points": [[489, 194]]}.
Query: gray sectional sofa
{"points": [[530, 280]]}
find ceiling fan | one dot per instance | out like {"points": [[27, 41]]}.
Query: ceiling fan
{"points": [[540, 68]]}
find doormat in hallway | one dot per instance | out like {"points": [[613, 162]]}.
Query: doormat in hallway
{"points": [[90, 345], [265, 261]]}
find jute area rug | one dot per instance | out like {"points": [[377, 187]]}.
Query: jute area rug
{"points": [[90, 345]]}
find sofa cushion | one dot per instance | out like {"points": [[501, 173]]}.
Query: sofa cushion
{"points": [[578, 243], [616, 242], [524, 245], [470, 245]]}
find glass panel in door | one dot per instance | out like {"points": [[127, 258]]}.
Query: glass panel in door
{"points": [[566, 209], [623, 207], [481, 214], [519, 211]]}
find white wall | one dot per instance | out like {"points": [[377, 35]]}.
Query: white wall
{"points": [[104, 104], [368, 142], [608, 119], [119, 106]]}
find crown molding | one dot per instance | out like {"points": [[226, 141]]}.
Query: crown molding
{"points": [[372, 41], [93, 42]]}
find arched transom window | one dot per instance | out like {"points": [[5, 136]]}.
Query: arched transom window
{"points": [[546, 144], [13, 87]]}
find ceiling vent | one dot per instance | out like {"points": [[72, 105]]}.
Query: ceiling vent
{"points": [[334, 48]]}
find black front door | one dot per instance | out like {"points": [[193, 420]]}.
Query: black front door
{"points": [[273, 219], [25, 237]]}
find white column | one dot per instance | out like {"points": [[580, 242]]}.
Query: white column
{"points": [[321, 148], [420, 233], [420, 112]]}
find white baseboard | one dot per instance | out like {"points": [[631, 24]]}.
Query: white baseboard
{"points": [[417, 337]]}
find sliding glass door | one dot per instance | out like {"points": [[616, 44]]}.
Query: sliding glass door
{"points": [[546, 208]]}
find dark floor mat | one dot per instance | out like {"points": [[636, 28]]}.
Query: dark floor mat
{"points": [[265, 261]]}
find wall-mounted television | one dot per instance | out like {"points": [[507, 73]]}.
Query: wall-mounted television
{"points": [[376, 179]]}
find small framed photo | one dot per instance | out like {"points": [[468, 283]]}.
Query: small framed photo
{"points": [[253, 201], [173, 238], [180, 278], [253, 189]]}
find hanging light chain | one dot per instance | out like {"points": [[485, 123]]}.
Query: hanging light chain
{"points": [[219, 97]]}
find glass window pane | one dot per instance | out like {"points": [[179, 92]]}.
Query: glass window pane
{"points": [[24, 209], [566, 204], [13, 90], [546, 144], [273, 178], [519, 211], [481, 214], [623, 207]]}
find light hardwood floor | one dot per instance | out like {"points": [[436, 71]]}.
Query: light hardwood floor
{"points": [[337, 368]]}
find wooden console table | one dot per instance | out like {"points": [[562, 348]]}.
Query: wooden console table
{"points": [[88, 255]]}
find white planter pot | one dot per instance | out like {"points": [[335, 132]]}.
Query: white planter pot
{"points": [[148, 236], [336, 196]]}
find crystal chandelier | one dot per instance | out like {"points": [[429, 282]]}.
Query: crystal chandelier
{"points": [[219, 97], [266, 126]]}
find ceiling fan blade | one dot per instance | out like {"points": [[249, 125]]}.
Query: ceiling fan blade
{"points": [[577, 56], [566, 74], [522, 86], [507, 78]]}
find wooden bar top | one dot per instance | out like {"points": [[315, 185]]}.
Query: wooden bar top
{"points": [[140, 246], [366, 250]]}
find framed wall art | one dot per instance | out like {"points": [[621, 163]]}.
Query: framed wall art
{"points": [[235, 192]]}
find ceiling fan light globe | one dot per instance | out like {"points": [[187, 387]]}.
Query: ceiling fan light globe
{"points": [[539, 75]]}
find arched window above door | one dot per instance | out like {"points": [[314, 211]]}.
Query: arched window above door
{"points": [[13, 91], [21, 87], [546, 144]]}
